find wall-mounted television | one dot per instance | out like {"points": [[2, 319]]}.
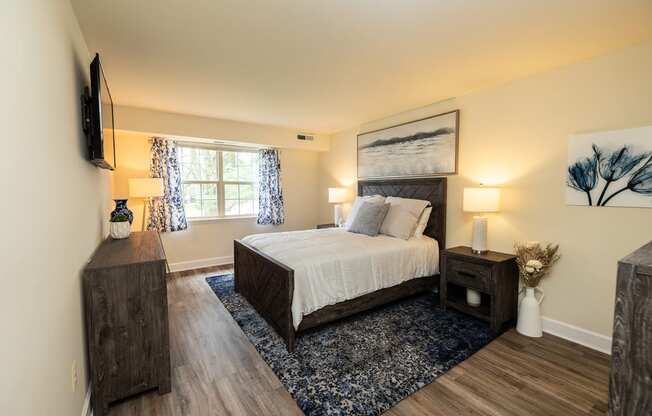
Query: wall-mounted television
{"points": [[98, 119]]}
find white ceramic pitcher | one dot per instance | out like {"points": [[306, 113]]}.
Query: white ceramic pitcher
{"points": [[529, 313]]}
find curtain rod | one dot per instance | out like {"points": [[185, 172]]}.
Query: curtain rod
{"points": [[215, 143]]}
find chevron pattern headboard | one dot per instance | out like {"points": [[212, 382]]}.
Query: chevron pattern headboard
{"points": [[428, 189]]}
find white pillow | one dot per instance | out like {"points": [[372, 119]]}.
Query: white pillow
{"points": [[402, 218], [374, 199], [423, 222]]}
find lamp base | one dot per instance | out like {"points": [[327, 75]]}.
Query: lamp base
{"points": [[145, 203], [479, 242], [337, 214]]}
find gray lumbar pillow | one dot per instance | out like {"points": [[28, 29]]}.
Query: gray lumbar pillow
{"points": [[369, 218]]}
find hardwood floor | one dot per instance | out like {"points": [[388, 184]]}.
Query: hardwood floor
{"points": [[217, 371]]}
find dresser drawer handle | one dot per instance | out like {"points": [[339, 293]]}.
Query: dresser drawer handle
{"points": [[467, 274]]}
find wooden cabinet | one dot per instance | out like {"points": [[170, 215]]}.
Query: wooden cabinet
{"points": [[630, 379], [126, 311], [493, 274]]}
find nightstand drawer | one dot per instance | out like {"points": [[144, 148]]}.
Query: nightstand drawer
{"points": [[472, 275]]}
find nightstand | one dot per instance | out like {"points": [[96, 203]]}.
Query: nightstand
{"points": [[494, 275], [320, 226]]}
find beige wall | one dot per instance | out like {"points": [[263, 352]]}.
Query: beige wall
{"points": [[212, 241], [54, 206], [184, 125], [516, 136]]}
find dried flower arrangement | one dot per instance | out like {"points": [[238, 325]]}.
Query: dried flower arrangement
{"points": [[534, 261]]}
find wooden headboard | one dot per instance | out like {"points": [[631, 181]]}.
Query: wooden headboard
{"points": [[428, 189]]}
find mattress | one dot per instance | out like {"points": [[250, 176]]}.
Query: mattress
{"points": [[333, 265]]}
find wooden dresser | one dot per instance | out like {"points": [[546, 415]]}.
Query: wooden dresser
{"points": [[126, 311], [630, 380]]}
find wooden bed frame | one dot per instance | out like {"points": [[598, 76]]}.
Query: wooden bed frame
{"points": [[268, 284]]}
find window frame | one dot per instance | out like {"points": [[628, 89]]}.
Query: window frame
{"points": [[220, 182]]}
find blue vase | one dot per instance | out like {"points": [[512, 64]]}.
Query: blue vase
{"points": [[121, 208]]}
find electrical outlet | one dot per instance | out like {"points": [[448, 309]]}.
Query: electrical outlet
{"points": [[74, 378]]}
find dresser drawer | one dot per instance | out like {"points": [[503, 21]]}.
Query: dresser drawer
{"points": [[472, 275]]}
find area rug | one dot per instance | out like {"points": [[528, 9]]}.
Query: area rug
{"points": [[364, 364]]}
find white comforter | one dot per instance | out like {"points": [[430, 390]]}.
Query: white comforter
{"points": [[333, 265]]}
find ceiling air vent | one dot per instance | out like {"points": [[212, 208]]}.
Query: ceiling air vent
{"points": [[305, 137]]}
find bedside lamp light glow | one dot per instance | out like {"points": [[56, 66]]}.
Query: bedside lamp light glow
{"points": [[337, 196], [480, 200], [147, 188]]}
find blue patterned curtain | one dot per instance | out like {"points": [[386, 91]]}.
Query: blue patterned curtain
{"points": [[166, 213], [270, 199]]}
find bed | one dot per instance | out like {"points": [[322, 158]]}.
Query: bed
{"points": [[340, 273]]}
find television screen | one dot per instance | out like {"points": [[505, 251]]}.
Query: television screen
{"points": [[101, 140]]}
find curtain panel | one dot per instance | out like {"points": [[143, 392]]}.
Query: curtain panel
{"points": [[166, 213], [270, 199]]}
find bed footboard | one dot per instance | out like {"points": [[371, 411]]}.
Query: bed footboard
{"points": [[268, 286]]}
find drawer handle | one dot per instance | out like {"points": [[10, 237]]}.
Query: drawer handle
{"points": [[467, 274]]}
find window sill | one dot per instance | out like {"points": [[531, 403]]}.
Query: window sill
{"points": [[221, 219]]}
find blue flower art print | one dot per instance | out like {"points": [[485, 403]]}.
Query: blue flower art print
{"points": [[610, 168]]}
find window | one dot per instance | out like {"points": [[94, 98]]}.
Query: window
{"points": [[219, 182]]}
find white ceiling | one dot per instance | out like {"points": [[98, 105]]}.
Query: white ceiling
{"points": [[326, 65]]}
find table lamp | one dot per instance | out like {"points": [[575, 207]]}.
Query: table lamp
{"points": [[147, 188], [480, 200], [337, 196]]}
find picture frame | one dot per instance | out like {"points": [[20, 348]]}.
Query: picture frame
{"points": [[610, 168], [427, 147]]}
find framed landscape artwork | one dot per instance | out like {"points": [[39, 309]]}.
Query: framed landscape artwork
{"points": [[421, 148], [610, 168]]}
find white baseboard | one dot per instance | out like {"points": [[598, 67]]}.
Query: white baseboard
{"points": [[198, 264], [578, 335], [87, 410]]}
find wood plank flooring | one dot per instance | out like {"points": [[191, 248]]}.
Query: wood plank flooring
{"points": [[217, 371]]}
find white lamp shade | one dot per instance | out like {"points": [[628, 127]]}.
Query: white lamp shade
{"points": [[481, 200], [145, 187], [336, 195]]}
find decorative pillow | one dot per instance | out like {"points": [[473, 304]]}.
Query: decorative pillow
{"points": [[423, 222], [377, 199], [369, 218], [403, 215]]}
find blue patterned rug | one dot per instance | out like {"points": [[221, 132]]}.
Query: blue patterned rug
{"points": [[364, 364]]}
